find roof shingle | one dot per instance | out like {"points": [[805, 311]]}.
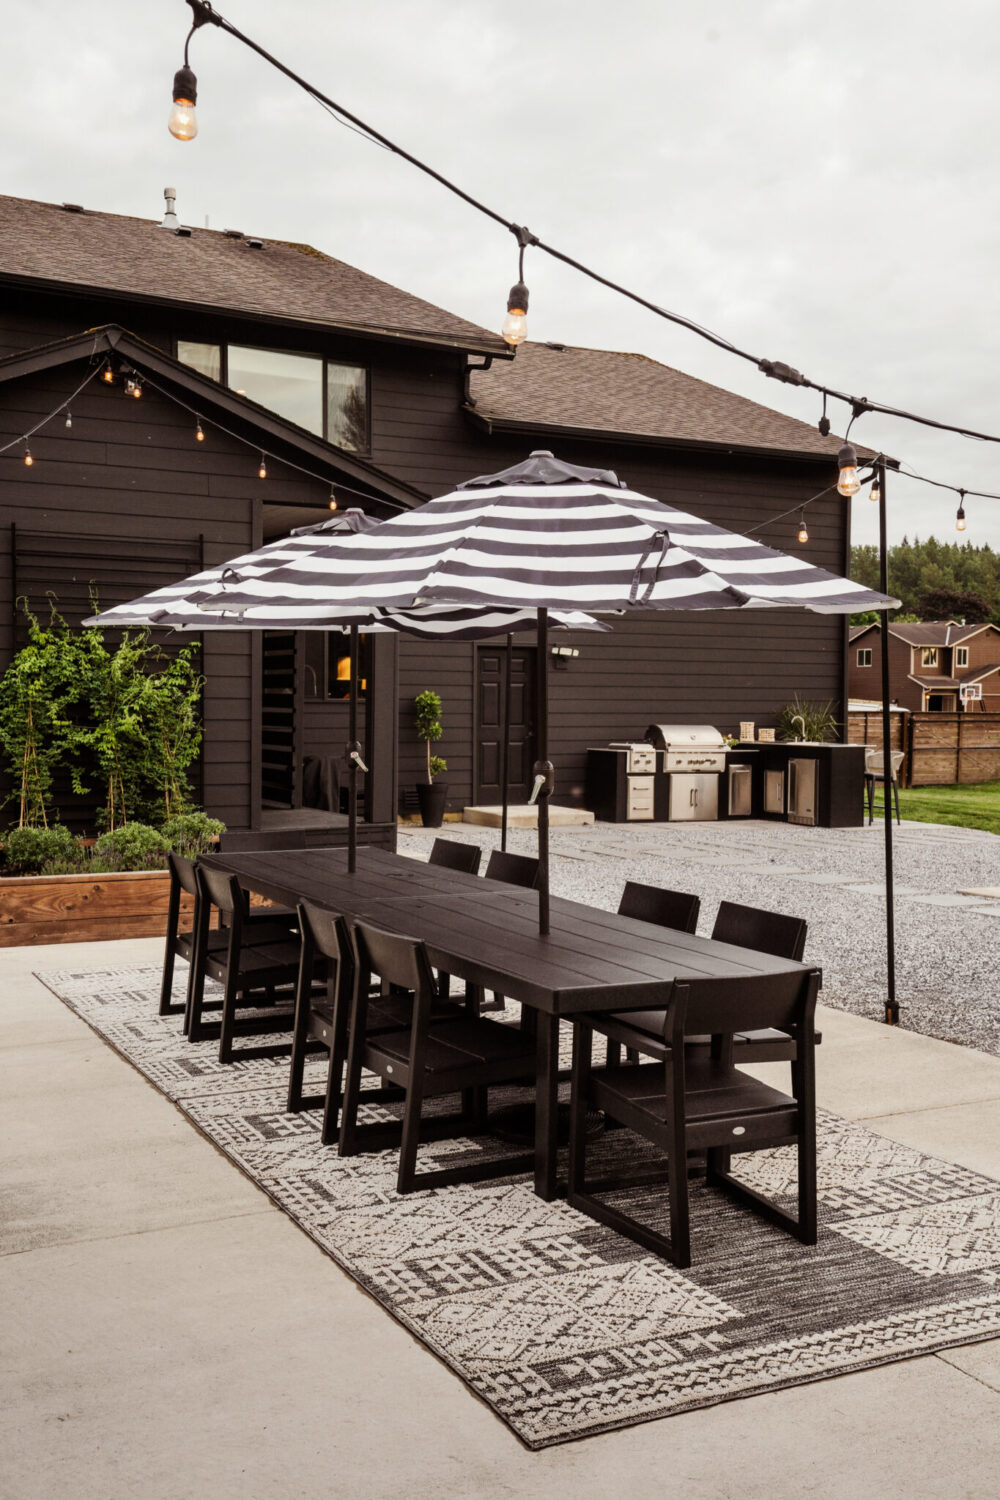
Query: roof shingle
{"points": [[136, 257], [600, 390]]}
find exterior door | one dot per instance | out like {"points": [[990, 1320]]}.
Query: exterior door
{"points": [[489, 722]]}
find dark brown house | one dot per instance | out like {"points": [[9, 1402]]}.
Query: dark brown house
{"points": [[929, 664], [340, 380]]}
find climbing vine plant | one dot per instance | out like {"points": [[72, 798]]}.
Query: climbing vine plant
{"points": [[122, 720]]}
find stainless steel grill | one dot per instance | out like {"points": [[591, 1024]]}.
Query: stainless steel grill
{"points": [[689, 747]]}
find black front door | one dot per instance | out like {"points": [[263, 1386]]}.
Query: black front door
{"points": [[489, 722]]}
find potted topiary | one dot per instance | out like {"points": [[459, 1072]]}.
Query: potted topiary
{"points": [[431, 797]]}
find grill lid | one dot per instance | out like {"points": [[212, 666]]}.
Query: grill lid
{"points": [[685, 737]]}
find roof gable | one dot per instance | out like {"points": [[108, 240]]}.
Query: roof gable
{"points": [[137, 259]]}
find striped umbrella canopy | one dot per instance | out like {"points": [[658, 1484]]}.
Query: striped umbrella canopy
{"points": [[543, 535]]}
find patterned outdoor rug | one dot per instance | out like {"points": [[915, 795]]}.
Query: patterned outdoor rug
{"points": [[564, 1328]]}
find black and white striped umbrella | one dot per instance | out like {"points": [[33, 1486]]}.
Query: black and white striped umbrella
{"points": [[545, 535]]}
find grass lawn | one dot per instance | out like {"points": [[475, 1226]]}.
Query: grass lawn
{"points": [[976, 806]]}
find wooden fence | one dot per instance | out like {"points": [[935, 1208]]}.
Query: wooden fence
{"points": [[941, 749]]}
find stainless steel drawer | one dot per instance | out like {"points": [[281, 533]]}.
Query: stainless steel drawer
{"points": [[639, 804], [774, 792]]}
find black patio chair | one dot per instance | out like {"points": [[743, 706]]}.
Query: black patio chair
{"points": [[686, 1104], [257, 968], [513, 869], [322, 1015], [456, 856], [651, 903], [432, 1056]]}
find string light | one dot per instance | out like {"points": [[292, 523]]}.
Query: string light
{"points": [[847, 463], [108, 375], [199, 431], [262, 471], [333, 500], [69, 420], [824, 422], [803, 528], [960, 517], [28, 460], [875, 494], [133, 387], [515, 324]]}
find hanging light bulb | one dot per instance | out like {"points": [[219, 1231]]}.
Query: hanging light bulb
{"points": [[28, 460], [824, 422], [960, 518], [69, 419], [847, 462], [182, 122], [199, 432], [333, 500], [803, 528], [133, 387], [109, 375], [262, 471], [515, 324], [875, 494]]}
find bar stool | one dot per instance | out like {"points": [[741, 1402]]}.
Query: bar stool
{"points": [[874, 772]]}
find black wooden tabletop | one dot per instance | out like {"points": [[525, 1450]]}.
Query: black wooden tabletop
{"points": [[486, 932]]}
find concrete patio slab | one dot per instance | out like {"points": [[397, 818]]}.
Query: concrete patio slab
{"points": [[216, 1351], [519, 816]]}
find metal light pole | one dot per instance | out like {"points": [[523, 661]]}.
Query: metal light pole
{"points": [[891, 1007]]}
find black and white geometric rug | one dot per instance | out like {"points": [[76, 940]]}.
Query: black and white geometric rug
{"points": [[564, 1328]]}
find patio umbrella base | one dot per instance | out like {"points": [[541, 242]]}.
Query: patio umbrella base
{"points": [[515, 1123]]}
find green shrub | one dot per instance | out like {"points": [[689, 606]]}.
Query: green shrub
{"points": [[191, 834], [135, 846], [27, 850]]}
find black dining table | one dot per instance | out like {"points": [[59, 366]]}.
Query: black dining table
{"points": [[486, 933]]}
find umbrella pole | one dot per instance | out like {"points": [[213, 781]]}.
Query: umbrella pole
{"points": [[353, 751], [891, 1006], [543, 769], [505, 743]]}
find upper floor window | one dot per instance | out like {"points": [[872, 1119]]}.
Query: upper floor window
{"points": [[864, 656], [961, 656], [929, 656], [321, 395]]}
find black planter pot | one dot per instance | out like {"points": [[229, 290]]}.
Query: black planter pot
{"points": [[432, 799]]}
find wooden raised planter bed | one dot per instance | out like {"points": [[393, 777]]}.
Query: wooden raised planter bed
{"points": [[82, 908]]}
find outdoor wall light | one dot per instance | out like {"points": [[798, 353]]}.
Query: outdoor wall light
{"points": [[959, 519], [133, 387], [847, 463], [563, 655], [803, 528]]}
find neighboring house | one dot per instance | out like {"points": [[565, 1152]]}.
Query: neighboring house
{"points": [[928, 665], [343, 380]]}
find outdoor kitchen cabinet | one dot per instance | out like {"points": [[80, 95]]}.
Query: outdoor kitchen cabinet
{"points": [[617, 794], [821, 785]]}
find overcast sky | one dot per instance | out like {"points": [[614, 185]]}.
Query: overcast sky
{"points": [[817, 182]]}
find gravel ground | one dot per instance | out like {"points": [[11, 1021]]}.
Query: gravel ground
{"points": [[947, 969]]}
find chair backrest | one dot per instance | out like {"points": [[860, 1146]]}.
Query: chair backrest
{"points": [[399, 960], [784, 1001], [513, 869], [650, 903], [326, 930], [456, 856], [874, 764], [766, 931], [223, 891], [182, 872]]}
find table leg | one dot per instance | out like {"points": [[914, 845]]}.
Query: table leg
{"points": [[546, 1107]]}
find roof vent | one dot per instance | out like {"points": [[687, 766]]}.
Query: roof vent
{"points": [[170, 220], [183, 231], [72, 208], [233, 234], [256, 244]]}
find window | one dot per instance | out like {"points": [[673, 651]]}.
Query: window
{"points": [[327, 665], [961, 656], [321, 395], [929, 656], [864, 656]]}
